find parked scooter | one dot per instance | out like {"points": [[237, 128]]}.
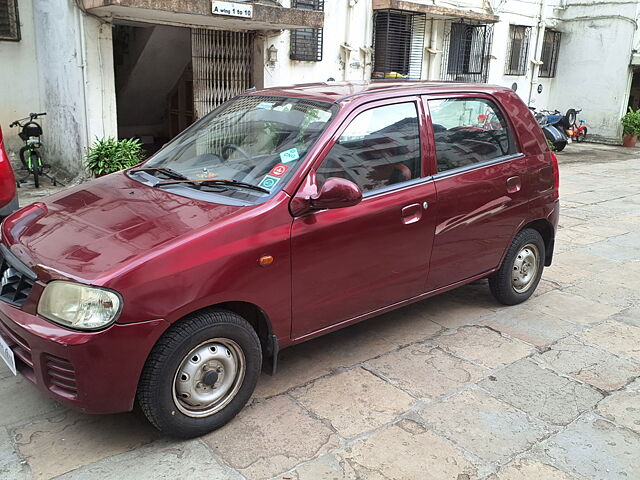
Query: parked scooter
{"points": [[552, 124]]}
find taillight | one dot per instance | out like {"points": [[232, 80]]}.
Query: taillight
{"points": [[556, 175]]}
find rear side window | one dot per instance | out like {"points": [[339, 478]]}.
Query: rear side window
{"points": [[468, 131], [380, 147]]}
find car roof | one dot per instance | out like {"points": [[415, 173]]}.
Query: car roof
{"points": [[336, 92]]}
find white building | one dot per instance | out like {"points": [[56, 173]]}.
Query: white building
{"points": [[148, 68]]}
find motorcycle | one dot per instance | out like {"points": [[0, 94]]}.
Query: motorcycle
{"points": [[554, 126]]}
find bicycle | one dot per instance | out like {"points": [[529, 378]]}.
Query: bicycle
{"points": [[577, 132], [30, 133]]}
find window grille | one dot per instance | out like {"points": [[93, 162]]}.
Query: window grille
{"points": [[467, 48], [9, 23], [306, 43], [398, 44], [517, 50], [550, 50], [222, 66]]}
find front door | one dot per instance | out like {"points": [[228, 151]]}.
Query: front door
{"points": [[348, 262], [482, 197]]}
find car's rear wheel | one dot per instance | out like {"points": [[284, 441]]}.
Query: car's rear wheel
{"points": [[200, 374], [520, 272]]}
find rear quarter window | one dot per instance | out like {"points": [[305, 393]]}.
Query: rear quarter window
{"points": [[468, 131]]}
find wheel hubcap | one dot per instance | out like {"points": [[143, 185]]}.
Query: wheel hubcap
{"points": [[525, 268], [209, 377]]}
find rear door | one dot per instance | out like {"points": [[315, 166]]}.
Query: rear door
{"points": [[479, 183]]}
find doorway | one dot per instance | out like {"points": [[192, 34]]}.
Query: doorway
{"points": [[634, 93], [167, 77]]}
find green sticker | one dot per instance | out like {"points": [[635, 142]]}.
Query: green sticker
{"points": [[268, 182]]}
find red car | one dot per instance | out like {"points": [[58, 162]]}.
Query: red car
{"points": [[8, 197], [284, 214]]}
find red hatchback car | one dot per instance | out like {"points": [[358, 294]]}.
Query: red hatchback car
{"points": [[8, 196], [284, 214]]}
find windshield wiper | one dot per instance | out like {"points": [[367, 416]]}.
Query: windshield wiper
{"points": [[163, 170], [215, 181]]}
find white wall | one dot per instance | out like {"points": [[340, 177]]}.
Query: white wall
{"points": [[19, 89], [335, 64], [75, 66], [593, 68]]}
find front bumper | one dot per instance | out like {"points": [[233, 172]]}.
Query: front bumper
{"points": [[93, 372]]}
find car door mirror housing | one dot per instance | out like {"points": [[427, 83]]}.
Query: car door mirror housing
{"points": [[336, 193]]}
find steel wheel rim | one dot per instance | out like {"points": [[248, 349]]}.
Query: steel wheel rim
{"points": [[525, 268], [209, 377]]}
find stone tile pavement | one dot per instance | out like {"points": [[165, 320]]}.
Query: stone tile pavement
{"points": [[454, 387]]}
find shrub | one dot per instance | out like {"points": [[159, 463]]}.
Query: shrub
{"points": [[110, 155], [631, 122]]}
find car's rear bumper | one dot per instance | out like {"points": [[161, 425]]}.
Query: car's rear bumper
{"points": [[8, 209], [94, 372]]}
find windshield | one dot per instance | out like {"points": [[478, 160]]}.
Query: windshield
{"points": [[249, 141]]}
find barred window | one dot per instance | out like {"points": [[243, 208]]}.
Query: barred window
{"points": [[467, 48], [518, 50], [9, 24], [550, 49], [398, 43], [306, 43]]}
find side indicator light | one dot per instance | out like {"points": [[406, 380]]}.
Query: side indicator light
{"points": [[265, 260]]}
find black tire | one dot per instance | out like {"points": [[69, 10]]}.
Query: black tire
{"points": [[23, 159], [560, 146], [159, 383], [502, 283], [570, 118], [35, 168]]}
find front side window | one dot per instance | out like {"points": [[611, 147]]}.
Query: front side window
{"points": [[468, 131], [379, 148], [9, 25], [255, 139]]}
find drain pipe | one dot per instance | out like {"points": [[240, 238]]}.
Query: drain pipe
{"points": [[538, 50], [433, 50], [83, 67]]}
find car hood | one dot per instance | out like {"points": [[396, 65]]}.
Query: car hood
{"points": [[96, 229]]}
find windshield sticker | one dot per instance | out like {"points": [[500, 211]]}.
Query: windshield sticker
{"points": [[265, 105], [279, 170], [284, 108], [206, 175], [268, 182], [289, 155]]}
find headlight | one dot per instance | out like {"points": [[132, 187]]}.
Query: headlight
{"points": [[79, 306]]}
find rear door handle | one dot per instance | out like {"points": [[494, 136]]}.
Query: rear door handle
{"points": [[411, 213], [513, 184]]}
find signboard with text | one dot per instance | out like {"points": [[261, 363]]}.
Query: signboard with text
{"points": [[233, 9]]}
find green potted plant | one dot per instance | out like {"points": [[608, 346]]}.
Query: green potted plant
{"points": [[109, 155], [631, 127]]}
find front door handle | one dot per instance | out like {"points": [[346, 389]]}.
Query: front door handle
{"points": [[411, 213], [513, 184]]}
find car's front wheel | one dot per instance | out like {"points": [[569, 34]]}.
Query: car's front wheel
{"points": [[520, 272], [200, 374]]}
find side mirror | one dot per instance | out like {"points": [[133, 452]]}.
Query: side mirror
{"points": [[336, 193]]}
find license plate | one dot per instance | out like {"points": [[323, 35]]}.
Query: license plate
{"points": [[7, 355]]}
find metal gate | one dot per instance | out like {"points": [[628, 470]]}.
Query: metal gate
{"points": [[222, 66]]}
